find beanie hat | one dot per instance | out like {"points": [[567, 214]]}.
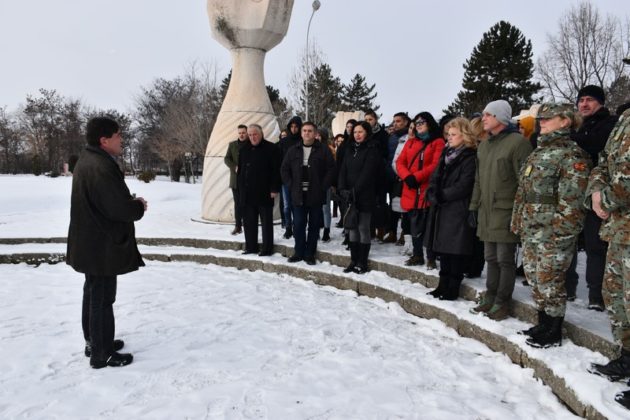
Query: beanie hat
{"points": [[501, 110], [592, 91]]}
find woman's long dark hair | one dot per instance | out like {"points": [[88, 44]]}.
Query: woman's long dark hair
{"points": [[434, 127]]}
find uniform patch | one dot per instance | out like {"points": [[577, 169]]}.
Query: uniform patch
{"points": [[580, 166], [528, 170]]}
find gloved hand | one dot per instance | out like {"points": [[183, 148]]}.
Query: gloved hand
{"points": [[411, 182], [472, 219]]}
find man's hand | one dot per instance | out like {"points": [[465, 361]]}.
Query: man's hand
{"points": [[596, 199], [144, 203], [274, 194]]}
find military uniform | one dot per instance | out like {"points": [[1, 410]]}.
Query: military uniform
{"points": [[548, 215], [612, 179]]}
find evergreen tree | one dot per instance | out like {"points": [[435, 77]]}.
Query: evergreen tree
{"points": [[500, 67], [324, 95], [358, 96]]}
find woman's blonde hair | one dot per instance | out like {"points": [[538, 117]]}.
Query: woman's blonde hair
{"points": [[464, 127]]}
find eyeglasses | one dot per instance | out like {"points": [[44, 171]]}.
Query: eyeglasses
{"points": [[420, 122]]}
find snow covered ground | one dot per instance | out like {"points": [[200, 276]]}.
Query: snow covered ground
{"points": [[212, 342]]}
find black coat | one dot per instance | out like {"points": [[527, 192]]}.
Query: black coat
{"points": [[321, 173], [361, 167], [594, 132], [101, 237], [449, 192], [258, 173]]}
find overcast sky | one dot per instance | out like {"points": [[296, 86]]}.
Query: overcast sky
{"points": [[102, 51]]}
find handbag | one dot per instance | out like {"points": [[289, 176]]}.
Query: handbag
{"points": [[417, 222]]}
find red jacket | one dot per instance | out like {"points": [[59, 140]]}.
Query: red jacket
{"points": [[406, 165]]}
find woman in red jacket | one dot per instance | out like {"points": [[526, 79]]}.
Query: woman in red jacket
{"points": [[416, 163]]}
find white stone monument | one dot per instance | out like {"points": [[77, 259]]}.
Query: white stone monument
{"points": [[248, 28]]}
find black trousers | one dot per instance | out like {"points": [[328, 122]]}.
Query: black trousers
{"points": [[251, 214], [99, 295], [596, 250], [238, 214]]}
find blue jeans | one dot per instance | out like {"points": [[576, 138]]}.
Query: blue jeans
{"points": [[306, 242], [326, 209], [287, 209]]}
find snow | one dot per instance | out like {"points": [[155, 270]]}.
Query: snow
{"points": [[213, 342]]}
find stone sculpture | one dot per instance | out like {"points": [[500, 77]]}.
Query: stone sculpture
{"points": [[248, 28]]}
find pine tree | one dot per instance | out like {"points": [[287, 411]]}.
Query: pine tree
{"points": [[358, 96], [500, 67], [324, 95]]}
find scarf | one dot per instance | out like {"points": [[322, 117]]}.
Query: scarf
{"points": [[451, 153]]}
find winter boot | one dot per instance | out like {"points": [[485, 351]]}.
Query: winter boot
{"points": [[483, 307], [498, 312], [542, 324], [354, 257], [549, 336], [118, 345], [390, 238], [415, 260], [615, 370], [380, 234], [288, 233], [326, 235], [431, 264], [401, 240], [364, 252], [441, 288], [452, 291]]}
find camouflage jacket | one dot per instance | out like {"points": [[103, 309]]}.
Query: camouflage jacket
{"points": [[612, 178], [548, 203]]}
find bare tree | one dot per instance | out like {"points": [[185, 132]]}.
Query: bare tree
{"points": [[11, 144], [301, 72], [587, 49]]}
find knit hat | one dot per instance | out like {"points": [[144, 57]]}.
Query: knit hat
{"points": [[594, 92], [501, 110]]}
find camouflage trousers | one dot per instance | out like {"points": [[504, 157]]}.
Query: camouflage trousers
{"points": [[616, 291], [545, 265]]}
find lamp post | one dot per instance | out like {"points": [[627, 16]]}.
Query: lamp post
{"points": [[316, 5]]}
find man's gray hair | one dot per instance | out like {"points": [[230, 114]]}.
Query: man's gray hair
{"points": [[257, 127]]}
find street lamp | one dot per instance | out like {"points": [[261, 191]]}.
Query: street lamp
{"points": [[316, 5]]}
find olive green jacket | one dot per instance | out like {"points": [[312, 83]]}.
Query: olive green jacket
{"points": [[231, 160], [499, 160]]}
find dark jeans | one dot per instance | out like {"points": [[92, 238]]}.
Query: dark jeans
{"points": [[287, 208], [250, 222], [238, 214], [500, 271], [306, 243], [476, 260], [99, 295], [596, 250]]}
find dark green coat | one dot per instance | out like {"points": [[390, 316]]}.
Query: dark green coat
{"points": [[499, 160], [231, 160], [101, 237]]}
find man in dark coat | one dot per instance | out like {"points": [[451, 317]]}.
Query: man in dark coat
{"points": [[591, 137], [292, 139], [231, 160], [258, 181], [380, 137], [101, 237], [308, 169]]}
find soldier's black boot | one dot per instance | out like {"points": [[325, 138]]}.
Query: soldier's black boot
{"points": [[549, 336], [354, 257], [452, 291], [364, 253], [615, 370], [542, 323]]}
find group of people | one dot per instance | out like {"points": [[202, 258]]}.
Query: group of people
{"points": [[467, 191]]}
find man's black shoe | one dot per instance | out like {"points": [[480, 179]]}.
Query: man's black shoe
{"points": [[118, 344], [310, 260], [623, 398], [115, 360], [615, 370], [246, 252], [265, 253], [294, 258]]}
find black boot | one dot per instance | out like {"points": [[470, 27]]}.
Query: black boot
{"points": [[452, 291], [542, 323], [550, 336], [326, 235], [623, 398], [118, 345], [354, 257], [615, 370], [114, 360], [441, 288], [288, 233], [364, 252]]}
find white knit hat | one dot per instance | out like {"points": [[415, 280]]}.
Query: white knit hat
{"points": [[501, 110]]}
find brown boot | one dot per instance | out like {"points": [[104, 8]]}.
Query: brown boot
{"points": [[237, 230], [401, 240], [390, 238], [498, 312], [431, 264], [483, 307], [415, 260]]}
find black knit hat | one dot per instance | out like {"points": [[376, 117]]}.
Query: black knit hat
{"points": [[594, 92]]}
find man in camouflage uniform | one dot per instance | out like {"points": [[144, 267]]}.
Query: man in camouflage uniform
{"points": [[548, 216], [608, 194]]}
